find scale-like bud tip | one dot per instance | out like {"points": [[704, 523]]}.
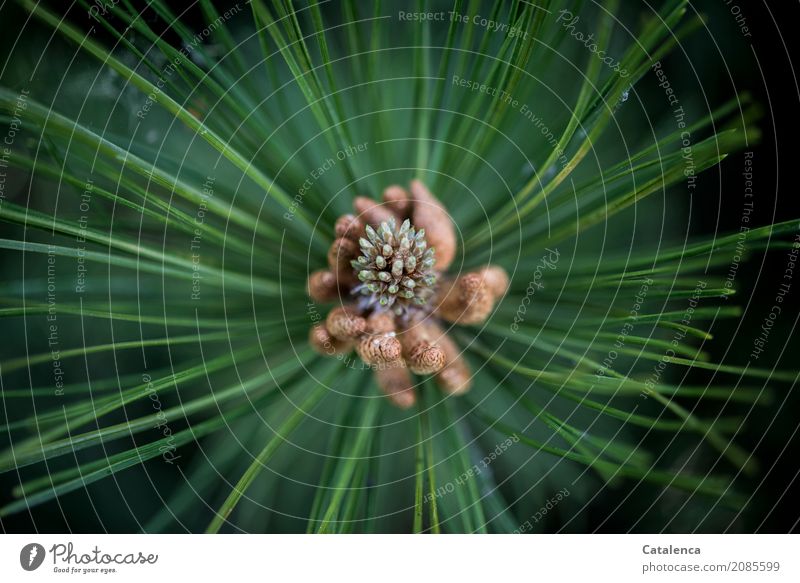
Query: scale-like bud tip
{"points": [[344, 324], [379, 348]]}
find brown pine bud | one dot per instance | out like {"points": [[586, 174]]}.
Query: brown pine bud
{"points": [[496, 280], [379, 349], [466, 300], [398, 201], [396, 384], [425, 358], [349, 227], [322, 342], [380, 323], [341, 253], [372, 212], [429, 214], [344, 323], [322, 286], [420, 350], [455, 378]]}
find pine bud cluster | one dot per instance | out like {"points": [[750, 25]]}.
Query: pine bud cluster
{"points": [[396, 294]]}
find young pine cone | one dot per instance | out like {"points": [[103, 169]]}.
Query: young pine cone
{"points": [[466, 300], [420, 348], [345, 324], [322, 342], [379, 349], [396, 383]]}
